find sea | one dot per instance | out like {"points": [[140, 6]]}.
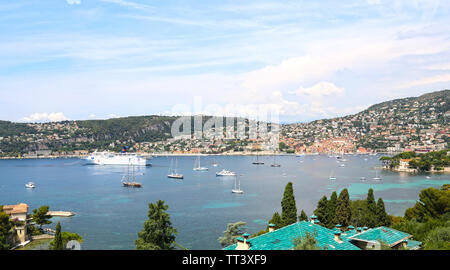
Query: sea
{"points": [[109, 216]]}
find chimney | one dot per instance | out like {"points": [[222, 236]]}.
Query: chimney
{"points": [[337, 236], [338, 227], [365, 229], [350, 228], [358, 230], [313, 219], [242, 243], [271, 227]]}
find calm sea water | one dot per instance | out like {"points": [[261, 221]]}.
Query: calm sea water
{"points": [[109, 216]]}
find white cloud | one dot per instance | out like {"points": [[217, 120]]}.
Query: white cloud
{"points": [[426, 81], [73, 2], [45, 117], [319, 90]]}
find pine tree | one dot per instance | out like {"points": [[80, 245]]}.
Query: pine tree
{"points": [[234, 230], [57, 242], [343, 210], [158, 233], [370, 217], [288, 207], [276, 219], [303, 216], [331, 211], [321, 210], [383, 218]]}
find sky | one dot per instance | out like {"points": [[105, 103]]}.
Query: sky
{"points": [[298, 60]]}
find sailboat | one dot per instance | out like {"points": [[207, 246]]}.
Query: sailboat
{"points": [[238, 188], [332, 177], [257, 162], [214, 163], [128, 183], [376, 178], [173, 172], [274, 164], [198, 167]]}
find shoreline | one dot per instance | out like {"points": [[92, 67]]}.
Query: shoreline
{"points": [[193, 154]]}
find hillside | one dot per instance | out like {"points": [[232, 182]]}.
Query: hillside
{"points": [[387, 126], [396, 125]]}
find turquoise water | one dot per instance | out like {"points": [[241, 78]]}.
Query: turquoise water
{"points": [[109, 216]]}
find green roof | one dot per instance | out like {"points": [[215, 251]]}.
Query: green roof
{"points": [[282, 239], [382, 234], [412, 244]]}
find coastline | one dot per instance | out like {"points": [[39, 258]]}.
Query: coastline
{"points": [[147, 155]]}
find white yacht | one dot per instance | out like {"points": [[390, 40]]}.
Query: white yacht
{"points": [[30, 185], [198, 167], [112, 158], [225, 173]]}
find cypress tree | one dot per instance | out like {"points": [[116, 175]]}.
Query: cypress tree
{"points": [[370, 217], [303, 216], [58, 243], [383, 218], [321, 210], [288, 207], [343, 210], [276, 219], [331, 211]]}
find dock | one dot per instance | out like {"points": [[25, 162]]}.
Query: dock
{"points": [[60, 213]]}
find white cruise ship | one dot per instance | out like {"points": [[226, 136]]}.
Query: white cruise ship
{"points": [[111, 158]]}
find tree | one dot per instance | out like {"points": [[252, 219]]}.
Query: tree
{"points": [[438, 239], [383, 218], [158, 233], [234, 230], [66, 237], [370, 219], [433, 204], [57, 242], [303, 216], [321, 210], [288, 207], [343, 210], [41, 217], [5, 227], [331, 210], [276, 219], [307, 242]]}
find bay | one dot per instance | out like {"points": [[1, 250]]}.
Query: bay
{"points": [[109, 216]]}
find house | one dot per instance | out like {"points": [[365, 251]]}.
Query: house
{"points": [[18, 213], [404, 164], [339, 238]]}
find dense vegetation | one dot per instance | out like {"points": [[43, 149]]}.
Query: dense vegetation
{"points": [[422, 162], [429, 220]]}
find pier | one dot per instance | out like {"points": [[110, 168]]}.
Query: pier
{"points": [[60, 213]]}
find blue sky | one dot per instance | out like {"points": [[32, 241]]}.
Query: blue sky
{"points": [[95, 59]]}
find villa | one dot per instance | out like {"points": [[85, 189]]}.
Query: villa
{"points": [[18, 213], [350, 238]]}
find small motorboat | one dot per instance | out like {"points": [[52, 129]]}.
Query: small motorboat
{"points": [[225, 173], [30, 185]]}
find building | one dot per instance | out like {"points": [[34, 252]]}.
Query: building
{"points": [[331, 239], [18, 213]]}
